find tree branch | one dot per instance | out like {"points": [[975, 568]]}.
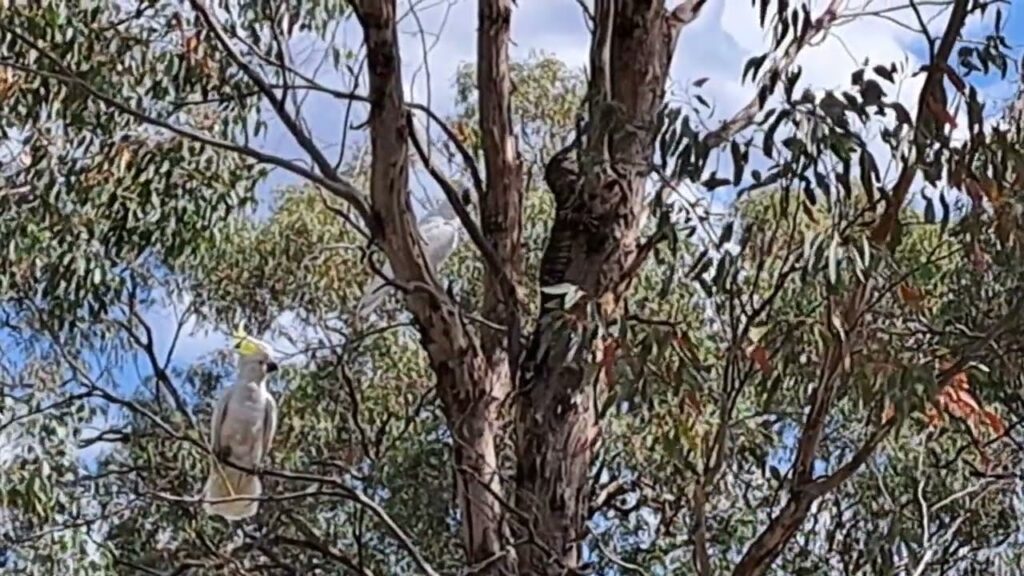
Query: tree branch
{"points": [[279, 105], [462, 371], [340, 187], [485, 248], [770, 542], [770, 78], [501, 206], [933, 82]]}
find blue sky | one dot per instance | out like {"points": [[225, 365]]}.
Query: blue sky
{"points": [[715, 47]]}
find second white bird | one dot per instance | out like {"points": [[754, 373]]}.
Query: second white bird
{"points": [[440, 231]]}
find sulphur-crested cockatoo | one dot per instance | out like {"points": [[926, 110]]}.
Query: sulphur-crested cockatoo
{"points": [[440, 231], [242, 430]]}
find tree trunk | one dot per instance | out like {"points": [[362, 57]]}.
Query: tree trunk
{"points": [[500, 208], [502, 203], [594, 245], [469, 385]]}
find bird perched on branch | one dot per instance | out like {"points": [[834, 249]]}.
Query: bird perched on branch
{"points": [[241, 433], [440, 230]]}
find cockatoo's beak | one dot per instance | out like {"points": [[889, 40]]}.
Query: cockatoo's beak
{"points": [[271, 366]]}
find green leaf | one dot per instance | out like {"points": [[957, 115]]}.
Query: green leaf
{"points": [[885, 72], [753, 66]]}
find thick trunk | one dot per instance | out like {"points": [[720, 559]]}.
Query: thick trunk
{"points": [[501, 205], [475, 411], [558, 435], [469, 387], [471, 400], [594, 246]]}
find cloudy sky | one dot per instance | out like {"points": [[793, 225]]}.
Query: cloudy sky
{"points": [[715, 47], [439, 35]]}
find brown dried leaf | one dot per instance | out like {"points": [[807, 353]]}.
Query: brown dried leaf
{"points": [[911, 296], [979, 259], [191, 45], [689, 403], [759, 356], [889, 413], [995, 422], [608, 353], [992, 191]]}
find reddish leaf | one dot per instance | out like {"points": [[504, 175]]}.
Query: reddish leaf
{"points": [[759, 356], [957, 399], [690, 403], [911, 296], [608, 360], [960, 380], [995, 422], [979, 259], [191, 45], [1006, 224], [992, 191], [683, 341], [939, 112], [974, 190], [889, 413]]}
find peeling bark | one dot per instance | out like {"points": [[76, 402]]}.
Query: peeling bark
{"points": [[501, 217], [501, 206], [468, 387], [593, 245]]}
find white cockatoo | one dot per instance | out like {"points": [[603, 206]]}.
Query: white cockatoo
{"points": [[440, 230], [241, 432]]}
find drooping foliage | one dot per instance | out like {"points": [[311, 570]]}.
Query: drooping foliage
{"points": [[749, 324]]}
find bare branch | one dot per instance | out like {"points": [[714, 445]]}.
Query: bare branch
{"points": [[322, 163]]}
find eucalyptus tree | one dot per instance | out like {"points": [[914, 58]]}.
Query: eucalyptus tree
{"points": [[614, 379]]}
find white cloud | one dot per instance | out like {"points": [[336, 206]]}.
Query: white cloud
{"points": [[714, 47], [195, 340]]}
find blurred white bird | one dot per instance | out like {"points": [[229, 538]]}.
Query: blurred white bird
{"points": [[440, 230], [242, 431]]}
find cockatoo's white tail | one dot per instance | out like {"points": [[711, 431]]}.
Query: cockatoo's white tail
{"points": [[233, 484]]}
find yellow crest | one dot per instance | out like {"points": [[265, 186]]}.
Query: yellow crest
{"points": [[244, 344]]}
